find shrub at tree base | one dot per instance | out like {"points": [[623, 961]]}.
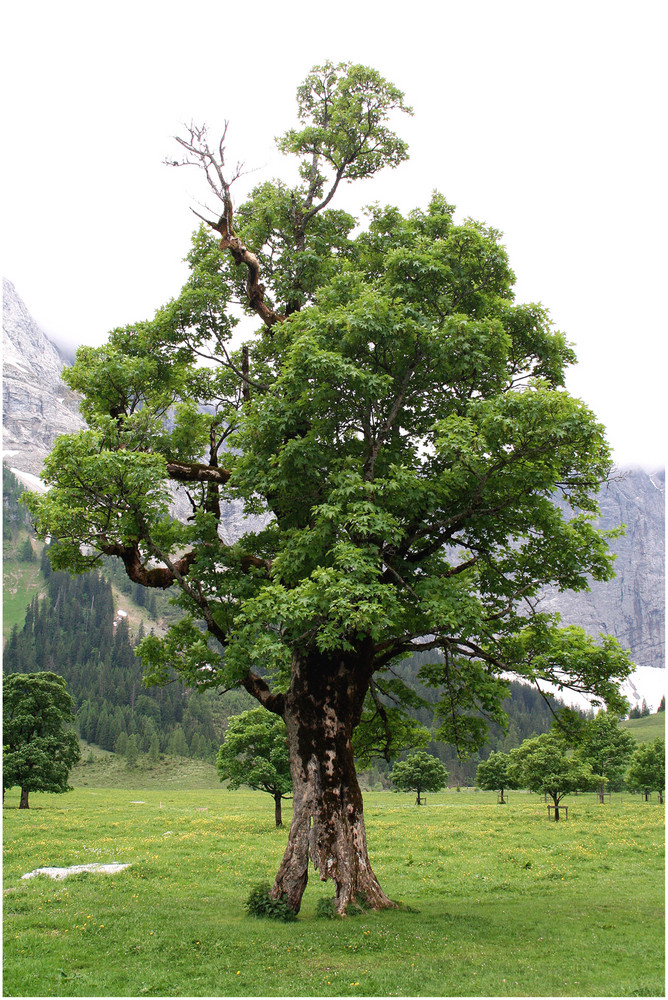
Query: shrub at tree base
{"points": [[401, 423], [261, 903]]}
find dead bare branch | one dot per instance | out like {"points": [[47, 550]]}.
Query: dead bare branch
{"points": [[199, 154]]}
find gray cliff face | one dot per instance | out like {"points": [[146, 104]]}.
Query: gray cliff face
{"points": [[37, 405], [632, 606]]}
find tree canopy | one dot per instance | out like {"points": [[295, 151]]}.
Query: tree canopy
{"points": [[647, 768], [493, 774], [254, 752], [399, 426], [38, 748], [604, 744], [546, 765], [420, 772]]}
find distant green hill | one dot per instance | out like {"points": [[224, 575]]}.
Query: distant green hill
{"points": [[648, 727], [101, 769], [21, 576], [21, 581]]}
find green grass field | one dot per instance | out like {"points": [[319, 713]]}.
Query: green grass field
{"points": [[507, 903], [648, 727]]}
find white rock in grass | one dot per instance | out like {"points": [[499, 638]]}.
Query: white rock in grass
{"points": [[61, 873]]}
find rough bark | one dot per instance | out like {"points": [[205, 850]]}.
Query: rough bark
{"points": [[321, 710]]}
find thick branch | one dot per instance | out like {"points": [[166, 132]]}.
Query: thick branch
{"points": [[213, 164], [369, 464], [249, 562], [259, 689], [161, 577], [254, 289], [195, 472], [328, 197], [380, 708]]}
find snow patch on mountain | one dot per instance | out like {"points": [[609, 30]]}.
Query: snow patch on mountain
{"points": [[646, 684]]}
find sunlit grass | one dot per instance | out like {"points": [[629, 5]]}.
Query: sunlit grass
{"points": [[648, 727], [509, 903]]}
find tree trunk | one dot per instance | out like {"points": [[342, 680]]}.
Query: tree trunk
{"points": [[23, 804], [322, 707], [277, 809]]}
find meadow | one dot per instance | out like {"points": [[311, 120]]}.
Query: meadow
{"points": [[499, 901], [647, 727]]}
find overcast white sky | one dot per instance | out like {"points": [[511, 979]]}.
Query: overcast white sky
{"points": [[543, 119]]}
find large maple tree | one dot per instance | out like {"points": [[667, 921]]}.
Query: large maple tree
{"points": [[402, 424]]}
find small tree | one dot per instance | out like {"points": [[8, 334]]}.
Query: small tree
{"points": [[607, 747], [254, 752], [26, 552], [178, 744], [420, 772], [131, 752], [544, 764], [492, 774], [154, 749], [38, 748], [647, 769]]}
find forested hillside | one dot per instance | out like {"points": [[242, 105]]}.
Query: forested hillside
{"points": [[72, 631], [528, 714], [70, 627]]}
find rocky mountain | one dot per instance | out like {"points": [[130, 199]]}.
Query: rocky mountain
{"points": [[38, 406], [632, 606]]}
